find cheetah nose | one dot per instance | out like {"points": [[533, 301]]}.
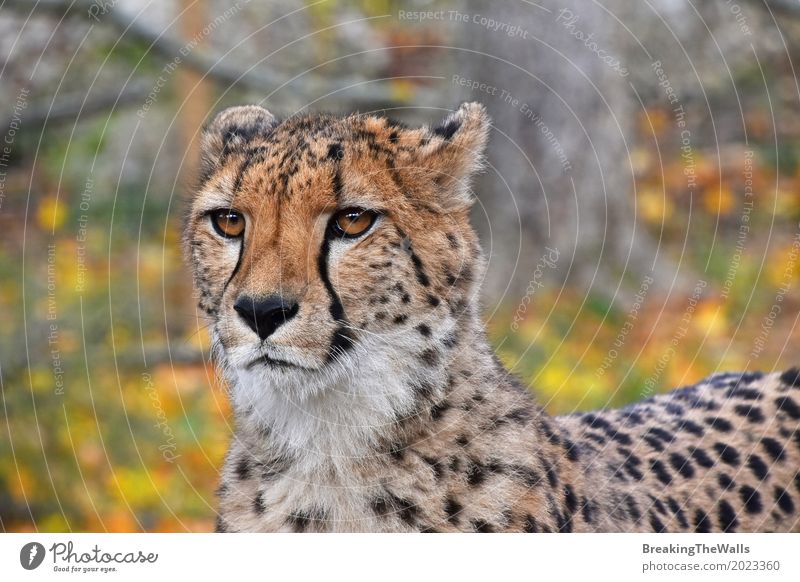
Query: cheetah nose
{"points": [[265, 314]]}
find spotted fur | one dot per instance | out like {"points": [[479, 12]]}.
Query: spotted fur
{"points": [[380, 406]]}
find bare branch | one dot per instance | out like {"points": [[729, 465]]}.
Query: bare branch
{"points": [[359, 91]]}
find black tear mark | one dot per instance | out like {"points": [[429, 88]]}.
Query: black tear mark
{"points": [[342, 339]]}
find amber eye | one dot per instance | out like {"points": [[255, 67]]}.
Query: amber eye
{"points": [[353, 222], [227, 222]]}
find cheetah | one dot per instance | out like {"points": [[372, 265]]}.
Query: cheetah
{"points": [[335, 259]]}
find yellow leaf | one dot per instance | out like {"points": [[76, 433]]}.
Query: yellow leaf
{"points": [[50, 215], [719, 200]]}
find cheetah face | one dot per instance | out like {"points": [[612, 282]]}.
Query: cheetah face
{"points": [[319, 242]]}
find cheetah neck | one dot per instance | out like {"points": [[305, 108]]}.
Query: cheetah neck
{"points": [[354, 414]]}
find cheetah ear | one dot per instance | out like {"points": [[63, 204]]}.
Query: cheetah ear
{"points": [[454, 152], [230, 131]]}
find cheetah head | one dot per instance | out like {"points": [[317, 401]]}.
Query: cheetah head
{"points": [[328, 248]]}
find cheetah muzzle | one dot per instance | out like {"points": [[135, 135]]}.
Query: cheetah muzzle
{"points": [[335, 259]]}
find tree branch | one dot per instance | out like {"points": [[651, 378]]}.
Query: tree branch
{"points": [[359, 91]]}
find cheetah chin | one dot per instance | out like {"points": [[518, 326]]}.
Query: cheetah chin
{"points": [[335, 259]]}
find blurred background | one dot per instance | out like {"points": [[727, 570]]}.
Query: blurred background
{"points": [[640, 210]]}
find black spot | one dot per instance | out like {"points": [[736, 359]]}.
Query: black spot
{"points": [[661, 434], [258, 504], [400, 319], [682, 465], [744, 393], [727, 517], [620, 437], [701, 522], [587, 510], [633, 509], [750, 411], [791, 377], [390, 504], [476, 473], [632, 417], [335, 151], [751, 499], [678, 511], [689, 426], [630, 467], [429, 357], [660, 471], [424, 330], [719, 424], [438, 468], [758, 467], [481, 526], [784, 500], [406, 298], [725, 481], [433, 301], [572, 450], [727, 453], [243, 469], [658, 505], [451, 238], [656, 524], [301, 520], [419, 269], [653, 442], [452, 508], [519, 415], [530, 525], [701, 458], [462, 440], [528, 476], [595, 421], [788, 406], [397, 451], [552, 477], [448, 129], [438, 409], [570, 499], [563, 522], [773, 447], [220, 526], [393, 137]]}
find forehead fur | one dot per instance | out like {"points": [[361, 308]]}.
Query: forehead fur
{"points": [[441, 158]]}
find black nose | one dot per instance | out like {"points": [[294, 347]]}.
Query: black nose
{"points": [[265, 314]]}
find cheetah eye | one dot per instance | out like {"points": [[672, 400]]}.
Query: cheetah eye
{"points": [[227, 222], [352, 222]]}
